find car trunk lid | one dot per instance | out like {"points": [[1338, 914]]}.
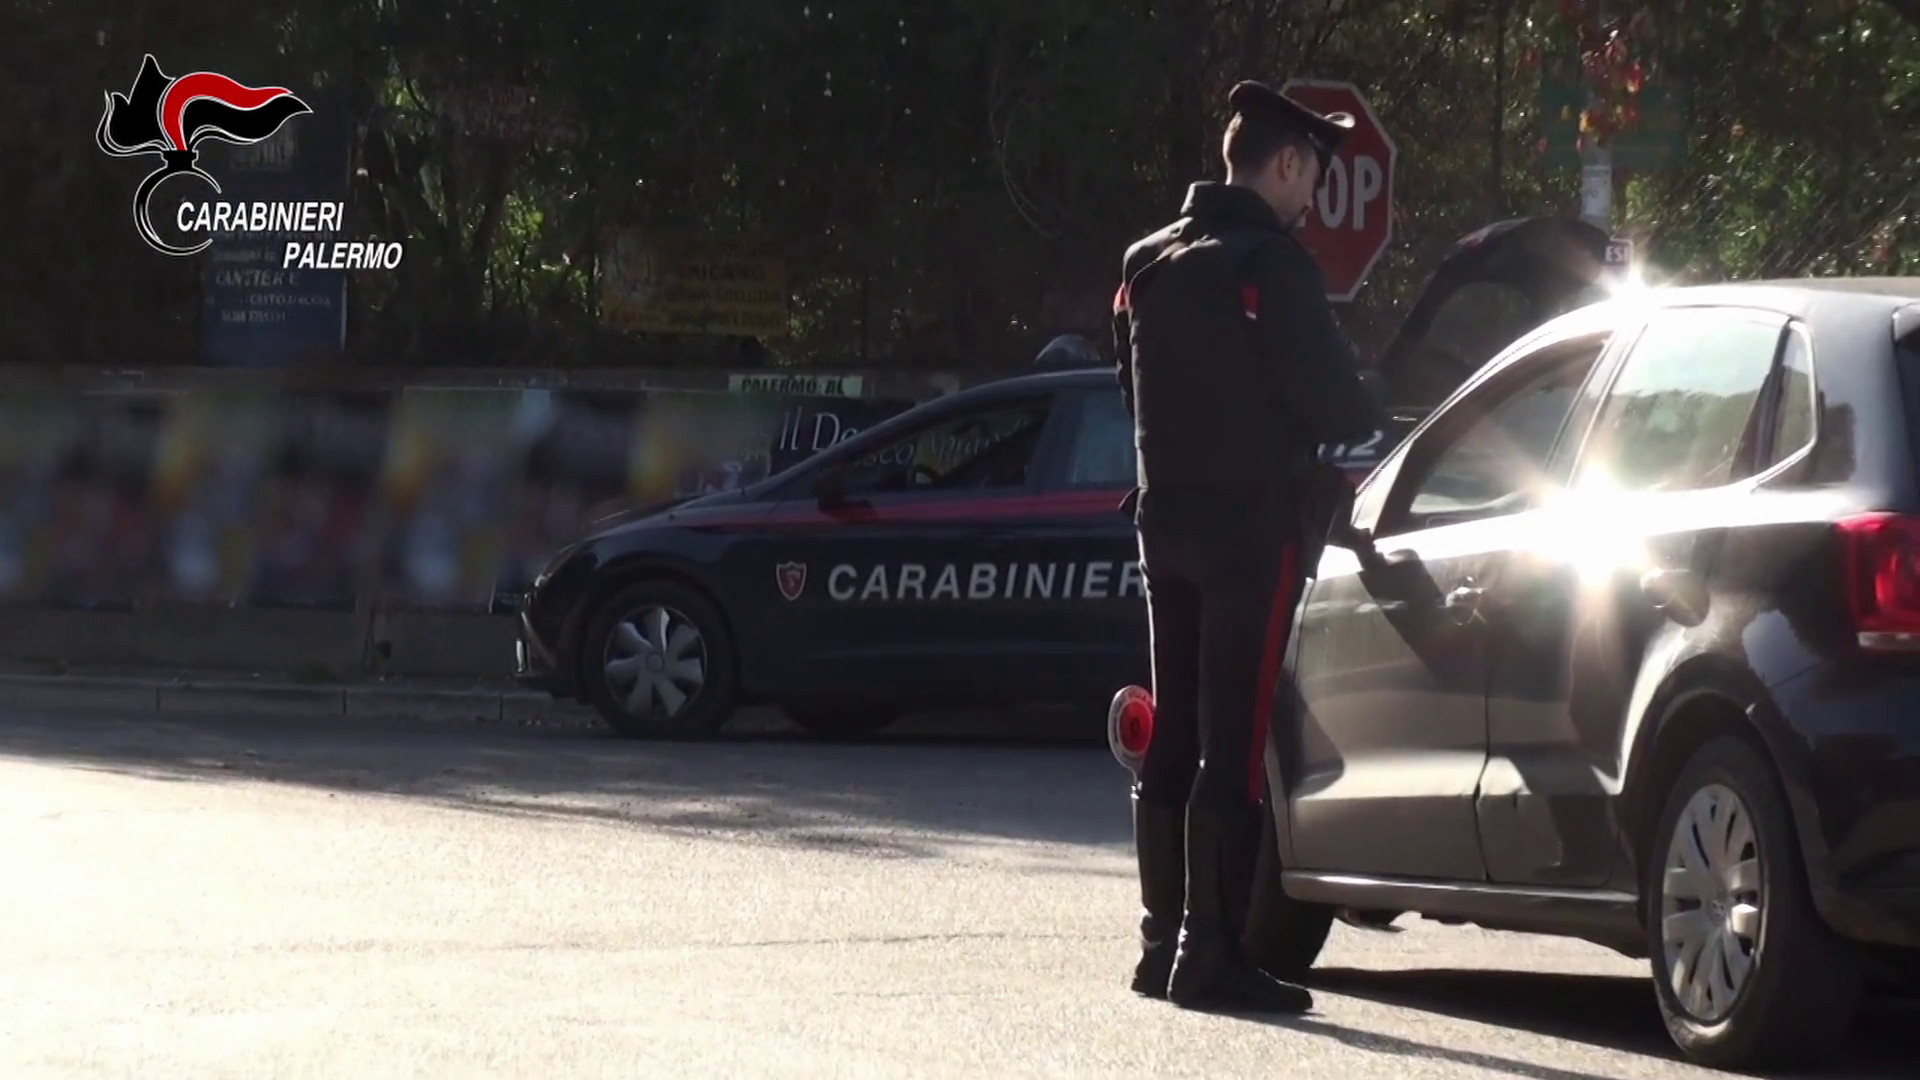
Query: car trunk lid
{"points": [[1491, 288]]}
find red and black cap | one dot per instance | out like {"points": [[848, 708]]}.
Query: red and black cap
{"points": [[1260, 102]]}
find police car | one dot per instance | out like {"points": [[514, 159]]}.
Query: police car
{"points": [[971, 551]]}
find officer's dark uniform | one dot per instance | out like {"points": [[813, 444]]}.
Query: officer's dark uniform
{"points": [[1235, 372]]}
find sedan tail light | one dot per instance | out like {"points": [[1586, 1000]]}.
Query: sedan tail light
{"points": [[1883, 580]]}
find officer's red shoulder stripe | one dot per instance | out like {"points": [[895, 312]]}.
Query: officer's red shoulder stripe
{"points": [[1250, 301], [1090, 503], [1120, 299]]}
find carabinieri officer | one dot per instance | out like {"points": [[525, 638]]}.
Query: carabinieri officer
{"points": [[1235, 371]]}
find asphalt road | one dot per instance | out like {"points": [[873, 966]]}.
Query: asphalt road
{"points": [[245, 898]]}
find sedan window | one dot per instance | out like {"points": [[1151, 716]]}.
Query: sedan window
{"points": [[1490, 452], [1493, 466], [1678, 416]]}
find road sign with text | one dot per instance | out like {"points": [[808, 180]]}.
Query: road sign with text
{"points": [[1352, 218]]}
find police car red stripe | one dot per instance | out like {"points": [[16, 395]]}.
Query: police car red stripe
{"points": [[1089, 503]]}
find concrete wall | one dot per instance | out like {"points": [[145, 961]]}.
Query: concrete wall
{"points": [[376, 636]]}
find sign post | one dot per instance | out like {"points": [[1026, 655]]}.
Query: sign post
{"points": [[1352, 218], [256, 312]]}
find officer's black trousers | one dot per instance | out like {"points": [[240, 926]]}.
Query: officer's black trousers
{"points": [[1222, 579]]}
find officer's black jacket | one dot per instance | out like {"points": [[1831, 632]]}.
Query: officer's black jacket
{"points": [[1229, 356]]}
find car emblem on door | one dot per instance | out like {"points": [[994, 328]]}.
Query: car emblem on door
{"points": [[792, 578]]}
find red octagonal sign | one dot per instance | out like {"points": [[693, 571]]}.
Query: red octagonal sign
{"points": [[1352, 218]]}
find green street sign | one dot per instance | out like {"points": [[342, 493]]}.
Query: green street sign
{"points": [[1653, 143]]}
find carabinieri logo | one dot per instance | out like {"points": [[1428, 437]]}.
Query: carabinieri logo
{"points": [[172, 117]]}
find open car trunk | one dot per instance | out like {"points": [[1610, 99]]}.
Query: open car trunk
{"points": [[1490, 289]]}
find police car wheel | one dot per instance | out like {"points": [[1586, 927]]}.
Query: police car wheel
{"points": [[658, 663], [1283, 936], [1746, 972], [840, 721]]}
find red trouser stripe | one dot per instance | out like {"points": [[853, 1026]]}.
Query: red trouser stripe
{"points": [[1274, 646]]}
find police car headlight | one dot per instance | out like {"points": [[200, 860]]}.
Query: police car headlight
{"points": [[554, 564]]}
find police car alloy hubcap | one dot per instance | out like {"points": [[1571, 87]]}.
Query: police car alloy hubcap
{"points": [[656, 662], [1710, 903]]}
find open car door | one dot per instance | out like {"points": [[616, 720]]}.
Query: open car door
{"points": [[1387, 736], [1492, 288]]}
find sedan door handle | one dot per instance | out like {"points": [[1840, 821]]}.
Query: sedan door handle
{"points": [[1463, 603]]}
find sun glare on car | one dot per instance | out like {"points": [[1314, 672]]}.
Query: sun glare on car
{"points": [[1591, 527], [1629, 284]]}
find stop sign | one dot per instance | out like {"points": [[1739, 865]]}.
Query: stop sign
{"points": [[1352, 217]]}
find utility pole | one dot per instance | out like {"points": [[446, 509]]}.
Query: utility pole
{"points": [[1596, 161]]}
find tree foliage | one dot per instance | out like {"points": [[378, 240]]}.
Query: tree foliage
{"points": [[951, 181]]}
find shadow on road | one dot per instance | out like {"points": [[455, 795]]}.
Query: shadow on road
{"points": [[1009, 778], [1610, 1012], [1490, 1063]]}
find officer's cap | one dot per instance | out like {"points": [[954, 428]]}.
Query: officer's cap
{"points": [[1257, 101]]}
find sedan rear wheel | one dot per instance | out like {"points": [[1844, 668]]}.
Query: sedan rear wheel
{"points": [[1711, 906], [1746, 972]]}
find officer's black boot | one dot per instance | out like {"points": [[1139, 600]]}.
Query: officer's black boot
{"points": [[1159, 843], [1210, 971]]}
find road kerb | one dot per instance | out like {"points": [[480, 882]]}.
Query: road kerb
{"points": [[391, 702], [63, 693], [213, 698]]}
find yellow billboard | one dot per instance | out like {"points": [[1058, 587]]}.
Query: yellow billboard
{"points": [[690, 283]]}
